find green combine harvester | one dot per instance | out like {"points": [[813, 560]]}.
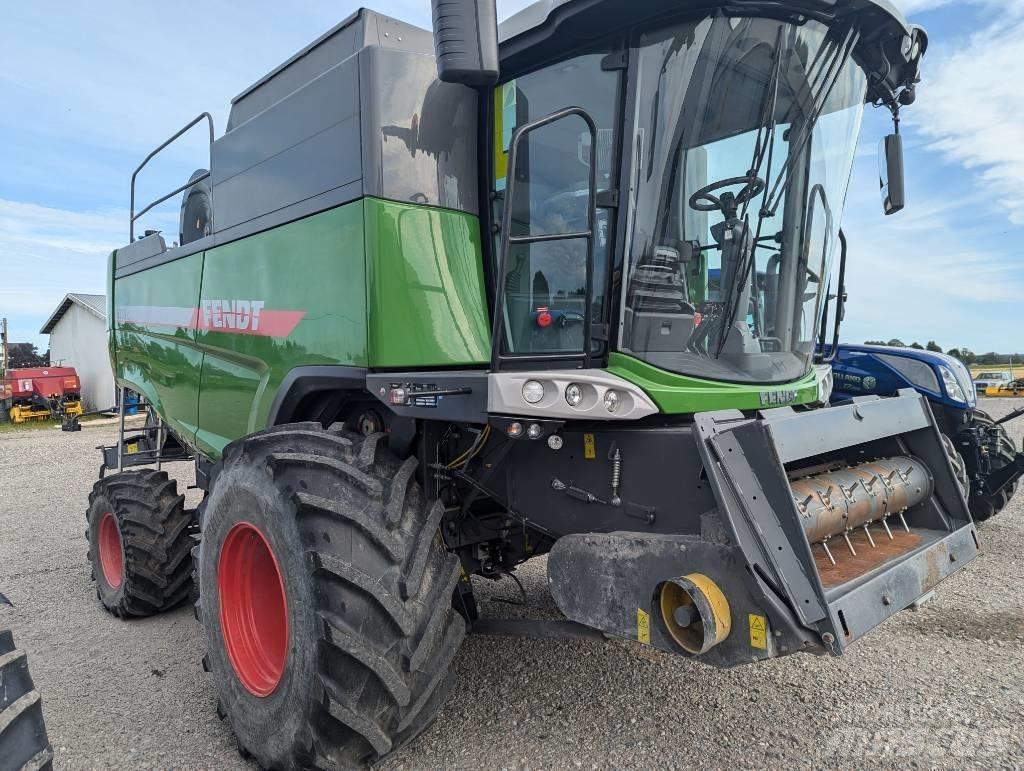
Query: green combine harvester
{"points": [[446, 302]]}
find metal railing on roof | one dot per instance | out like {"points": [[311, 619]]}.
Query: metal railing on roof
{"points": [[135, 216]]}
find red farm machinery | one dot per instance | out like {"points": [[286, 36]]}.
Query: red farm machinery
{"points": [[41, 393]]}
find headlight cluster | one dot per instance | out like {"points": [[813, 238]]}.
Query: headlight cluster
{"points": [[952, 386], [575, 395]]}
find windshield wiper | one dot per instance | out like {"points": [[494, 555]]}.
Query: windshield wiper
{"points": [[762, 152], [840, 53], [818, 103]]}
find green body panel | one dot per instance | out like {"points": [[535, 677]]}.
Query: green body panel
{"points": [[159, 361], [679, 394], [316, 265], [425, 287], [368, 284]]}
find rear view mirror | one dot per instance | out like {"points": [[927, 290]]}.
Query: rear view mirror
{"points": [[466, 41], [890, 173]]}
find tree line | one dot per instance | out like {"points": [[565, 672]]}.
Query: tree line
{"points": [[25, 356], [966, 355]]}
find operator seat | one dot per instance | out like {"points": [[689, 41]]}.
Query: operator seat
{"points": [[659, 316]]}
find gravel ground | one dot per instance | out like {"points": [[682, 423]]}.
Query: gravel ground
{"points": [[936, 687]]}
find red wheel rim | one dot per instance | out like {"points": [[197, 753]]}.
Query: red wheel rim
{"points": [[253, 609], [111, 553]]}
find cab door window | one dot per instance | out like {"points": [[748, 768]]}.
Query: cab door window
{"points": [[545, 282]]}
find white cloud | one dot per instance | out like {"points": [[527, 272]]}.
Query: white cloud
{"points": [[47, 252], [935, 271], [972, 107], [910, 7], [918, 6], [26, 227]]}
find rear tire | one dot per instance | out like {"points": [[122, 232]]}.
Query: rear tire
{"points": [[139, 543], [364, 662], [987, 506], [23, 741]]}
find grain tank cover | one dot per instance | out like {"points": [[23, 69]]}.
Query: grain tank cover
{"points": [[357, 112], [360, 30]]}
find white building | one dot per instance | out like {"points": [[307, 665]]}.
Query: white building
{"points": [[78, 338]]}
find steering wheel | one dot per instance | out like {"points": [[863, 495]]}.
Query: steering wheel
{"points": [[703, 200]]}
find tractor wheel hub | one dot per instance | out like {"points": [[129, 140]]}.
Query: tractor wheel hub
{"points": [[111, 551], [253, 609]]}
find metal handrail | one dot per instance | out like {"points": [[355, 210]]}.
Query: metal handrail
{"points": [[840, 298], [133, 216], [498, 329]]}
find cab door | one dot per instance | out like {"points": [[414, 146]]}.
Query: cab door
{"points": [[544, 309]]}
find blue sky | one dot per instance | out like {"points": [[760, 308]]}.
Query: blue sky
{"points": [[89, 88]]}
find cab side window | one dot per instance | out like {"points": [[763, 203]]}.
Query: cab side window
{"points": [[545, 282]]}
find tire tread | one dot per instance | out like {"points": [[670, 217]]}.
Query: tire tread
{"points": [[154, 527], [23, 741], [371, 549]]}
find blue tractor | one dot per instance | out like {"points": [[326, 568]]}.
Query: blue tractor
{"points": [[990, 464]]}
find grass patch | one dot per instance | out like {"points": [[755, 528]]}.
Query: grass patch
{"points": [[37, 425]]}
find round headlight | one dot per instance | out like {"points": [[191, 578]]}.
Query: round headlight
{"points": [[612, 401], [534, 431], [533, 391], [573, 394]]}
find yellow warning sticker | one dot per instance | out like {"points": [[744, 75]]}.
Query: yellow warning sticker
{"points": [[589, 450], [643, 626], [758, 631], [132, 448]]}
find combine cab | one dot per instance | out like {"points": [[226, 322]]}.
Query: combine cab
{"points": [[42, 393]]}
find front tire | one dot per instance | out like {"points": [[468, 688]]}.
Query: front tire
{"points": [[325, 597]]}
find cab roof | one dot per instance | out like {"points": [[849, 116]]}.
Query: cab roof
{"points": [[890, 49]]}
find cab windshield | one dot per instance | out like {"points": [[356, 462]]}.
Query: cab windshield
{"points": [[744, 137]]}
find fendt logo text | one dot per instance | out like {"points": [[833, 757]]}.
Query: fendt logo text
{"points": [[231, 314], [232, 317]]}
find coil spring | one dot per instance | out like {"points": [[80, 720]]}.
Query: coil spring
{"points": [[616, 475]]}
